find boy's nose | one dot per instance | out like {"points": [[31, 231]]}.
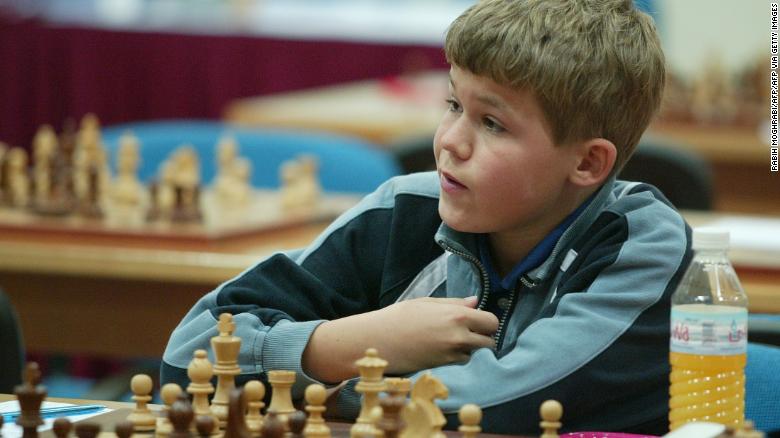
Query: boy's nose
{"points": [[457, 139]]}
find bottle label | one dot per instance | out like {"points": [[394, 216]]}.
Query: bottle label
{"points": [[709, 330]]}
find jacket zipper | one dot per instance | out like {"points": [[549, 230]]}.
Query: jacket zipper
{"points": [[502, 323], [482, 272], [486, 289]]}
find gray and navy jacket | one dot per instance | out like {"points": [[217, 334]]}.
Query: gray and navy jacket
{"points": [[588, 326]]}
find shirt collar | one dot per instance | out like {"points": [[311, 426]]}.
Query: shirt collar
{"points": [[535, 257]]}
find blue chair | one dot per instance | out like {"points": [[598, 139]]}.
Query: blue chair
{"points": [[762, 387], [345, 164]]}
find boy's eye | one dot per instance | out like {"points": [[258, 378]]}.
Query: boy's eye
{"points": [[492, 125], [454, 106]]}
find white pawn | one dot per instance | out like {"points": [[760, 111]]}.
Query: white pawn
{"points": [[469, 415], [168, 393], [551, 412], [254, 391], [315, 396], [142, 417]]}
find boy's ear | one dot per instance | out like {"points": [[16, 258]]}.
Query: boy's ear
{"points": [[596, 158]]}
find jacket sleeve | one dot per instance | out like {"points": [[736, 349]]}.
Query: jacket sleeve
{"points": [[600, 345], [279, 302]]}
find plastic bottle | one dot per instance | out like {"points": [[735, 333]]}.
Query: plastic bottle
{"points": [[708, 345]]}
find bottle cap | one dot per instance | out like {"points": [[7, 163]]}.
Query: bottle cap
{"points": [[710, 238]]}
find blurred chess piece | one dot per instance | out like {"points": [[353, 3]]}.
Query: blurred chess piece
{"points": [[30, 395], [469, 415], [254, 391], [226, 348], [142, 417], [551, 412], [231, 186], [371, 368], [163, 195], [52, 175], [421, 415], [315, 396], [168, 393], [127, 191], [200, 372], [44, 150], [713, 98], [281, 394], [186, 185], [300, 184], [18, 181], [90, 168]]}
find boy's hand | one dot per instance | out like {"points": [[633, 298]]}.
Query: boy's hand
{"points": [[411, 335]]}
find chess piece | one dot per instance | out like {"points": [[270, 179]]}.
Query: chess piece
{"points": [[315, 397], [142, 418], [181, 416], [391, 423], [398, 386], [273, 427], [200, 372], [469, 415], [231, 185], [236, 424], [124, 428], [18, 188], [186, 185], [44, 150], [371, 368], [87, 430], [281, 396], [421, 415], [127, 190], [300, 187], [551, 412], [90, 173], [168, 393], [30, 395], [62, 427], [296, 423], [254, 391], [163, 195], [206, 425], [226, 348]]}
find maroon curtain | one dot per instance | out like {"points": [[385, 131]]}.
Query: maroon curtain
{"points": [[49, 73]]}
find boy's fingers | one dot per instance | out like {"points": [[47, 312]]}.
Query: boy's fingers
{"points": [[483, 323], [479, 341]]}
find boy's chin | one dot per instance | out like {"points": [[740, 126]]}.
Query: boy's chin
{"points": [[463, 223]]}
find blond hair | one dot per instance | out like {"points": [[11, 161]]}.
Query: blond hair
{"points": [[596, 67]]}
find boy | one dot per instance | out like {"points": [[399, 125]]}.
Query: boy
{"points": [[518, 272]]}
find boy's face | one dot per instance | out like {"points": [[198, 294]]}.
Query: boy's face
{"points": [[499, 169]]}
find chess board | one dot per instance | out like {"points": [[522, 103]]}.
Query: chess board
{"points": [[264, 213]]}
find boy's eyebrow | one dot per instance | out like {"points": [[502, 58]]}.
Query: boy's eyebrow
{"points": [[484, 98]]}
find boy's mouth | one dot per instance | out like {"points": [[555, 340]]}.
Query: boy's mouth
{"points": [[450, 183]]}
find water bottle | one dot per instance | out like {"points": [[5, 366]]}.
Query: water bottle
{"points": [[708, 343]]}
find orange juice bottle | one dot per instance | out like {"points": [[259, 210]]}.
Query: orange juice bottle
{"points": [[708, 343]]}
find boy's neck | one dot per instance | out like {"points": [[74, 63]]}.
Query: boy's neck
{"points": [[509, 247]]}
